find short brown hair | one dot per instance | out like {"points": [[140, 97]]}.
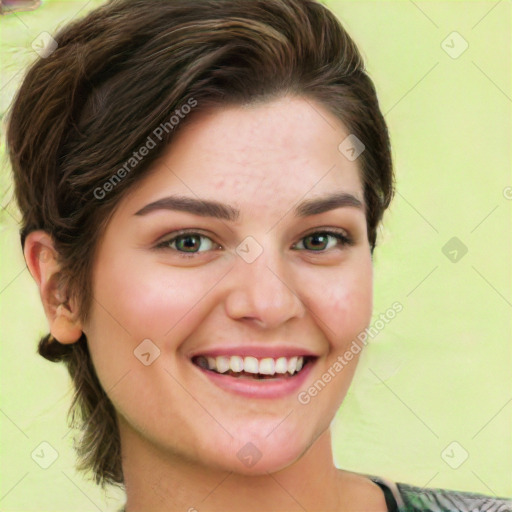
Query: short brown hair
{"points": [[125, 69]]}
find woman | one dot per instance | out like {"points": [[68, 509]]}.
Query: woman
{"points": [[201, 186]]}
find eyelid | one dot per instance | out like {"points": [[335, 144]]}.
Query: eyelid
{"points": [[339, 231]]}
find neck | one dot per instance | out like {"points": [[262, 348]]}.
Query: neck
{"points": [[159, 482]]}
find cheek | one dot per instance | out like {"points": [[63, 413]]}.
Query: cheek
{"points": [[139, 301], [150, 299], [345, 304]]}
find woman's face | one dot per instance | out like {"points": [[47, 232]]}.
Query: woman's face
{"points": [[255, 288]]}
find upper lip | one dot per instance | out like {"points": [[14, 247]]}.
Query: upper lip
{"points": [[254, 351]]}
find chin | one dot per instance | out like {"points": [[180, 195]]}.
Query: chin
{"points": [[270, 450]]}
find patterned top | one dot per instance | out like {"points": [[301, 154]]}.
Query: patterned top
{"points": [[409, 498]]}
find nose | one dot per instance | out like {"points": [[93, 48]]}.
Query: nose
{"points": [[264, 292]]}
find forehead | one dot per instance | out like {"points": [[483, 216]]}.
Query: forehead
{"points": [[269, 153]]}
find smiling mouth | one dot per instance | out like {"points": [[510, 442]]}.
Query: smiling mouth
{"points": [[254, 368]]}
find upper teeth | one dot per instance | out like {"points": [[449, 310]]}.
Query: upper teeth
{"points": [[249, 364]]}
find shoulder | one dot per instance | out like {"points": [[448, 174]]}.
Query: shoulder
{"points": [[361, 490]]}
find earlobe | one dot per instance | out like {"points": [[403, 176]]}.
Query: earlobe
{"points": [[42, 261], [64, 328]]}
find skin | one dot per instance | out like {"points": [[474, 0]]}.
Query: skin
{"points": [[179, 433]]}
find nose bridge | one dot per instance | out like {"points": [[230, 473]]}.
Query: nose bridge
{"points": [[262, 289]]}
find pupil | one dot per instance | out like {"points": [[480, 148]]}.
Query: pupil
{"points": [[188, 238], [316, 237]]}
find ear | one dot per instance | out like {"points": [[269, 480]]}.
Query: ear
{"points": [[42, 262]]}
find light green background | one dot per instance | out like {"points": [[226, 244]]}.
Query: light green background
{"points": [[441, 370]]}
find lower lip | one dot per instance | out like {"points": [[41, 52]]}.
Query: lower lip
{"points": [[259, 388]]}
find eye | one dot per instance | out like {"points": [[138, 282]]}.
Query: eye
{"points": [[187, 243], [319, 240]]}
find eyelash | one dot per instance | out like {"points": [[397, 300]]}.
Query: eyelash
{"points": [[342, 238]]}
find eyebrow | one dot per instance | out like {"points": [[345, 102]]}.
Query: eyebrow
{"points": [[209, 208]]}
